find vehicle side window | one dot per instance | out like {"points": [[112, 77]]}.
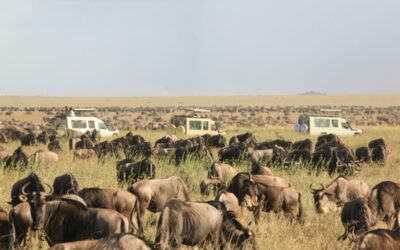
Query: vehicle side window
{"points": [[205, 125], [91, 124], [335, 123], [78, 124], [322, 123], [102, 125], [195, 125], [345, 125], [213, 127]]}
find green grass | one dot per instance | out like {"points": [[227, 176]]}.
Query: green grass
{"points": [[273, 231]]}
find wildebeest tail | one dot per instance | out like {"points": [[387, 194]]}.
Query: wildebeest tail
{"points": [[139, 217], [300, 215], [11, 239]]}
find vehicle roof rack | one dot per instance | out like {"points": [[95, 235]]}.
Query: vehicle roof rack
{"points": [[195, 110], [330, 110]]}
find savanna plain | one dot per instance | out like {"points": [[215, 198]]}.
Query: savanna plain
{"points": [[274, 231]]}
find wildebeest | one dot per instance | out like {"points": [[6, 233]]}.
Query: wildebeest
{"points": [[4, 228], [199, 150], [215, 141], [384, 201], [230, 202], [41, 156], [54, 144], [296, 156], [120, 201], [122, 241], [259, 169], [338, 192], [222, 171], [259, 197], [376, 143], [305, 145], [214, 182], [379, 155], [357, 218], [232, 153], [84, 153], [62, 220], [248, 138], [19, 157], [153, 194], [286, 145], [65, 184], [31, 183], [42, 137], [167, 141], [137, 150], [330, 139], [261, 155], [28, 140], [133, 171], [237, 183], [362, 154], [184, 223], [379, 239]]}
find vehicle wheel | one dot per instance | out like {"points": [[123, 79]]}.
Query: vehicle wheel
{"points": [[171, 129], [296, 128], [303, 128], [179, 131]]}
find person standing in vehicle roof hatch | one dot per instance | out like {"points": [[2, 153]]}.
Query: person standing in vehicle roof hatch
{"points": [[71, 112]]}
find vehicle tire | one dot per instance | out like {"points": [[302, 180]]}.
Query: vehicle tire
{"points": [[180, 131], [303, 128], [171, 129], [296, 128]]}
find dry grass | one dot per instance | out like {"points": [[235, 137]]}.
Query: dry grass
{"points": [[273, 231], [276, 100]]}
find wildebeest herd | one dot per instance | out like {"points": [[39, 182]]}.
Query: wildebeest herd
{"points": [[69, 217]]}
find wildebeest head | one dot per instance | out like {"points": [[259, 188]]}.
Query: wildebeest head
{"points": [[322, 198], [249, 194], [36, 201]]}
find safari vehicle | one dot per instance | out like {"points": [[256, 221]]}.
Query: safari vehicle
{"points": [[319, 125], [81, 123], [193, 124]]}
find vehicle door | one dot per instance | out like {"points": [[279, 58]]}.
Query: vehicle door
{"points": [[321, 125]]}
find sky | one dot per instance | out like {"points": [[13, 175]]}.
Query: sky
{"points": [[198, 47]]}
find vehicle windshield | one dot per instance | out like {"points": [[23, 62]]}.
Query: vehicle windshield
{"points": [[102, 125]]}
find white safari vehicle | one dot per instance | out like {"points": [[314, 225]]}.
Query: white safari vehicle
{"points": [[81, 123], [193, 124], [319, 125]]}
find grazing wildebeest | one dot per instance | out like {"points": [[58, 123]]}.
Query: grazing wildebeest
{"points": [[84, 153], [297, 156], [214, 182], [133, 171], [237, 183], [84, 143], [120, 201], [357, 218], [183, 222], [54, 146], [331, 139], [122, 241], [105, 148], [137, 150], [199, 150], [215, 141], [221, 170], [286, 145], [379, 155], [384, 201], [305, 145], [29, 184], [259, 197], [338, 192], [362, 154], [233, 152], [167, 141], [19, 157], [153, 194], [258, 169], [261, 155], [376, 143], [379, 239], [248, 138], [4, 228], [41, 156], [62, 220], [65, 184], [43, 137], [28, 140]]}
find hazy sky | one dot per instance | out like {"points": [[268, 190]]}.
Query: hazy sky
{"points": [[201, 47]]}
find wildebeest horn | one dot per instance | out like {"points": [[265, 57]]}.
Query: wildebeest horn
{"points": [[316, 189], [23, 189], [51, 188]]}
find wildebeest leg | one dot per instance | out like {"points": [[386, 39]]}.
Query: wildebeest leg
{"points": [[257, 213]]}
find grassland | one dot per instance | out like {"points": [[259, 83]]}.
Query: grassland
{"points": [[382, 100], [273, 231]]}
